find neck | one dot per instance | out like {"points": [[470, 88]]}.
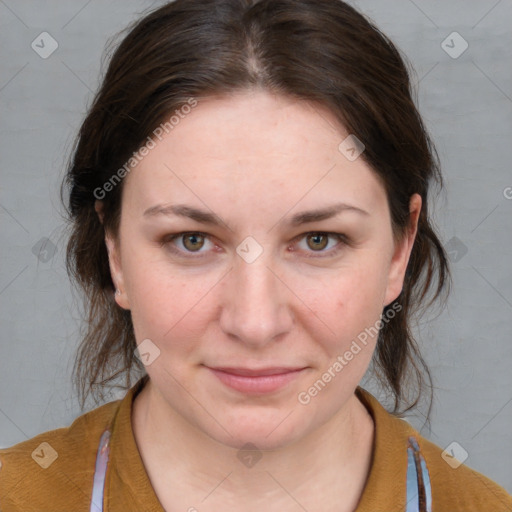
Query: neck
{"points": [[336, 455]]}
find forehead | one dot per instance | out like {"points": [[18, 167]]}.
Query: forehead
{"points": [[257, 146]]}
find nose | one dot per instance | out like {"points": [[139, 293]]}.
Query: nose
{"points": [[255, 308]]}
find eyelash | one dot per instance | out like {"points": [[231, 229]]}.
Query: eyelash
{"points": [[343, 239]]}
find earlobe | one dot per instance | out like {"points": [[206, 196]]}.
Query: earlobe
{"points": [[116, 272], [402, 252]]}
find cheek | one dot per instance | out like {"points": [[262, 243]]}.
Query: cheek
{"points": [[171, 304], [166, 304], [352, 310], [358, 296]]}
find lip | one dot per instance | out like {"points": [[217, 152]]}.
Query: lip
{"points": [[256, 381]]}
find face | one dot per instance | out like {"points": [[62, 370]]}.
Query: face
{"points": [[250, 304]]}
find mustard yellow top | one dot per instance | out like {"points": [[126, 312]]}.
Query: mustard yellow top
{"points": [[54, 471]]}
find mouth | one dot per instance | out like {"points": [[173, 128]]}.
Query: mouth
{"points": [[256, 381]]}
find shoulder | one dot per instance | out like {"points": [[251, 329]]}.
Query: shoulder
{"points": [[454, 486], [54, 467], [459, 487]]}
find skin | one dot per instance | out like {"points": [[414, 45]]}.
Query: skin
{"points": [[255, 159]]}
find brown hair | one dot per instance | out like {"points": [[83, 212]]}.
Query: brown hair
{"points": [[317, 50]]}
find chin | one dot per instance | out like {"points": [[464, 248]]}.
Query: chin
{"points": [[267, 430]]}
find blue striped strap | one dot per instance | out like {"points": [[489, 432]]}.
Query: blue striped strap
{"points": [[419, 491], [99, 473]]}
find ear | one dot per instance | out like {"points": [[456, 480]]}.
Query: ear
{"points": [[402, 252], [114, 261]]}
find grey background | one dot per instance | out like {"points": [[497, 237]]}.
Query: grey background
{"points": [[466, 103]]}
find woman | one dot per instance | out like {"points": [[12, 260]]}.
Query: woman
{"points": [[248, 203]]}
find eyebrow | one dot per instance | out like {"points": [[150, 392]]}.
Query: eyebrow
{"points": [[204, 217]]}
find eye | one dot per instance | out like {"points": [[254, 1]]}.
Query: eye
{"points": [[318, 241], [193, 241]]}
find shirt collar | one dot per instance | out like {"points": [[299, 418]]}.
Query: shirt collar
{"points": [[385, 484], [127, 485]]}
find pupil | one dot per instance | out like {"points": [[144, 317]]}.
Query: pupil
{"points": [[316, 240], [192, 239]]}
